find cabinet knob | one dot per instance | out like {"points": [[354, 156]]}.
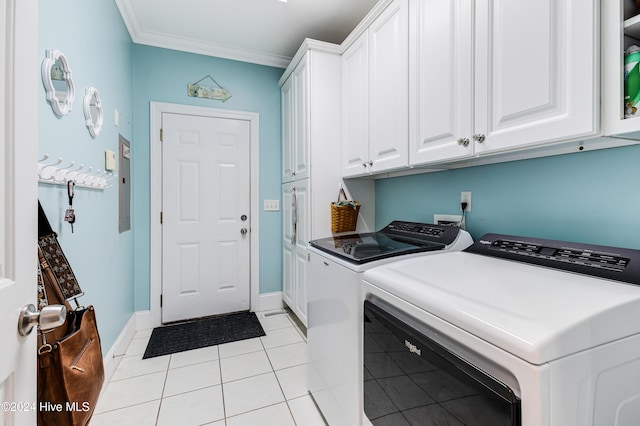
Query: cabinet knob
{"points": [[364, 165], [370, 163], [478, 137], [463, 141]]}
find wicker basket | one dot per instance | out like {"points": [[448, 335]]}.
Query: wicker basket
{"points": [[344, 218]]}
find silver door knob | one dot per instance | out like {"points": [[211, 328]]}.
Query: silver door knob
{"points": [[244, 231], [463, 141], [49, 317], [364, 164], [478, 137], [370, 163]]}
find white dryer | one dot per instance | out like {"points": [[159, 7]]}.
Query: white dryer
{"points": [[511, 331], [334, 334]]}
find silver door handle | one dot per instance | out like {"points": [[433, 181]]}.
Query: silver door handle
{"points": [[244, 231], [49, 317]]}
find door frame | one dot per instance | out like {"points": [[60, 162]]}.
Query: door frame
{"points": [[155, 171]]}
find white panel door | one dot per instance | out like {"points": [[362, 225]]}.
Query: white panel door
{"points": [[537, 88], [206, 206], [18, 204], [389, 88], [286, 97], [303, 221], [301, 111], [442, 69], [355, 107], [288, 244]]}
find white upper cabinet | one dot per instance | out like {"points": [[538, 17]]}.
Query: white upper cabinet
{"points": [[288, 153], [620, 29], [389, 88], [441, 77], [526, 76], [295, 123], [355, 107], [375, 95]]}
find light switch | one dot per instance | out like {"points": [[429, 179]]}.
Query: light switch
{"points": [[110, 160], [271, 205]]}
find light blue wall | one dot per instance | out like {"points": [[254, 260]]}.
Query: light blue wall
{"points": [[591, 197], [162, 75], [95, 41]]}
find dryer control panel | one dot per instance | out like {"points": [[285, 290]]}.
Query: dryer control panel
{"points": [[614, 263]]}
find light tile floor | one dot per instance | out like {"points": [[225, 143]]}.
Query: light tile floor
{"points": [[260, 381]]}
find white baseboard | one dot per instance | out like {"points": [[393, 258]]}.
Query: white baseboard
{"points": [[269, 301], [144, 320], [112, 358]]}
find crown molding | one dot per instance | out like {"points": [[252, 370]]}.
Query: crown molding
{"points": [[184, 44]]}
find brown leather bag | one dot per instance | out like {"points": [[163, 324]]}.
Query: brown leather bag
{"points": [[70, 367], [71, 372]]}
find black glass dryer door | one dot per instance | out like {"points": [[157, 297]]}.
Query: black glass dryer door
{"points": [[411, 380]]}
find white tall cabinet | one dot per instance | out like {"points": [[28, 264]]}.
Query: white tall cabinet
{"points": [[310, 160], [490, 76], [375, 95]]}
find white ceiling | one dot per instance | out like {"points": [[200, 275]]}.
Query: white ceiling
{"points": [[266, 32]]}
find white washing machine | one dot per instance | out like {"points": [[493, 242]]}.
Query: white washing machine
{"points": [[334, 333], [511, 331]]}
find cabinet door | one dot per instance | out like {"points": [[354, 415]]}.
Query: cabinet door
{"points": [[303, 220], [389, 88], [300, 78], [535, 78], [286, 95], [441, 75], [288, 246], [355, 108]]}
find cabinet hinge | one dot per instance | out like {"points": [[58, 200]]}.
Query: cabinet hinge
{"points": [[161, 135], [161, 301], [160, 218]]}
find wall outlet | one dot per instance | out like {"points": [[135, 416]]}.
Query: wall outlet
{"points": [[465, 197]]}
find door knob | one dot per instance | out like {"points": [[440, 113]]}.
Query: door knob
{"points": [[49, 317], [244, 231]]}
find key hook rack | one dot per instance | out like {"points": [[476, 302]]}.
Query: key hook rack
{"points": [[56, 174]]}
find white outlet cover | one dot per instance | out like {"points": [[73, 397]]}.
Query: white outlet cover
{"points": [[447, 219]]}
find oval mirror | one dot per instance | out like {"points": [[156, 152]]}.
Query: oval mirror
{"points": [[57, 81], [93, 114]]}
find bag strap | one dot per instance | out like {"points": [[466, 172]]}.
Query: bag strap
{"points": [[344, 194], [51, 289], [44, 227]]}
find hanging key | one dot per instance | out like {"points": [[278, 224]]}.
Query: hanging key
{"points": [[70, 215]]}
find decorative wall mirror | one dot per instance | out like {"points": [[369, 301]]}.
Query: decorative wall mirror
{"points": [[94, 117], [56, 77]]}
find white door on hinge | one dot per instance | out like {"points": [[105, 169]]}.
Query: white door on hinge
{"points": [[206, 206], [18, 204]]}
